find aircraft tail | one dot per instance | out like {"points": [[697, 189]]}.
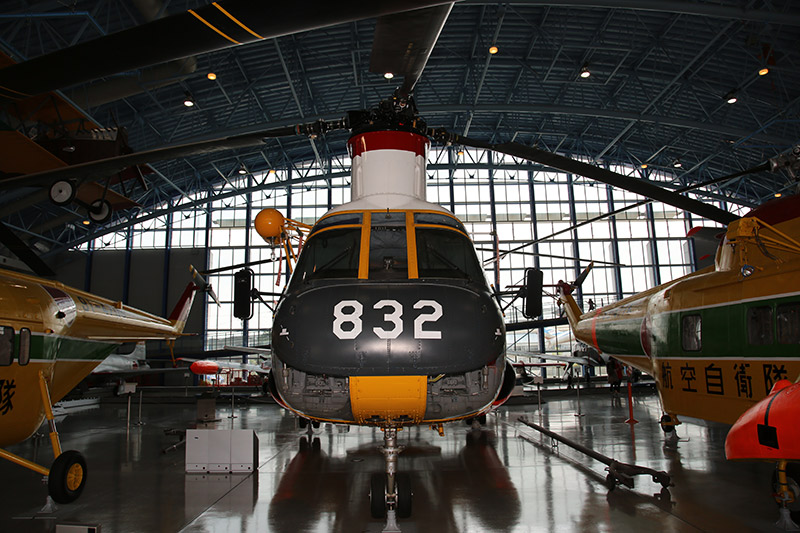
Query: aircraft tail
{"points": [[571, 308], [181, 311]]}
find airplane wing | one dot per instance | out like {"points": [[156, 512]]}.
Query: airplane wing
{"points": [[563, 358]]}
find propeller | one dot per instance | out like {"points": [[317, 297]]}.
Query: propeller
{"points": [[221, 24], [204, 285], [572, 166], [516, 249], [404, 41]]}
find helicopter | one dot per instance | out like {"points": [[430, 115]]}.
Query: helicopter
{"points": [[387, 320]]}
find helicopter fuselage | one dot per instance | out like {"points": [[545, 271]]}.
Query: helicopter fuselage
{"points": [[388, 319]]}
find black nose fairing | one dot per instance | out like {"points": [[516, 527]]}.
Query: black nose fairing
{"points": [[360, 327]]}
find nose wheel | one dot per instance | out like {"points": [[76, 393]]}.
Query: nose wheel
{"points": [[390, 492]]}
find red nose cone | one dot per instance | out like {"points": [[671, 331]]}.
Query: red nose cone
{"points": [[768, 430], [203, 368]]}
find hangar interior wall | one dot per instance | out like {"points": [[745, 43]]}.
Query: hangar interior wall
{"points": [[137, 278]]}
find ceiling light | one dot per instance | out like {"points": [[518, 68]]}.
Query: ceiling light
{"points": [[460, 153], [86, 222], [493, 50], [188, 101], [763, 72], [731, 97], [778, 195], [643, 165], [585, 71], [388, 75], [272, 171], [242, 169], [211, 76], [677, 163]]}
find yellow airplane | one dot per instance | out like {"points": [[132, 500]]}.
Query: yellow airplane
{"points": [[716, 340], [51, 337]]}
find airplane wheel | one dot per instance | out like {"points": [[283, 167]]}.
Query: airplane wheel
{"points": [[611, 482], [67, 477], [316, 445], [793, 480], [482, 419], [100, 211], [62, 192], [302, 423], [315, 424], [377, 496], [404, 494]]}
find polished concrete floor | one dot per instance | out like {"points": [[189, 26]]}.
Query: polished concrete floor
{"points": [[506, 477]]}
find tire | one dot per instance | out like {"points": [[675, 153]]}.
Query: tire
{"points": [[100, 211], [315, 424], [302, 423], [62, 192], [404, 494], [377, 495], [67, 477]]}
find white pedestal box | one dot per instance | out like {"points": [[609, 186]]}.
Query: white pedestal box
{"points": [[221, 450]]}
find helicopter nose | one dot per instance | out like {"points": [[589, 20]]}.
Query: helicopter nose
{"points": [[388, 329]]}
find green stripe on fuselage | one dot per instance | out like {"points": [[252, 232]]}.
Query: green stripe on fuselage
{"points": [[52, 347], [724, 333]]}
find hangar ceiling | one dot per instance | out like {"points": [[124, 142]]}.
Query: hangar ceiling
{"points": [[661, 75]]}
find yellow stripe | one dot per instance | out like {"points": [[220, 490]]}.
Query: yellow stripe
{"points": [[248, 30], [204, 21], [437, 226], [411, 242], [363, 258]]}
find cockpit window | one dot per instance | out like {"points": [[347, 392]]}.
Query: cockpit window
{"points": [[331, 254], [337, 220], [446, 254], [438, 219], [388, 251]]}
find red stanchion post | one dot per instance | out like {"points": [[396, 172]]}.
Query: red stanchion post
{"points": [[630, 419]]}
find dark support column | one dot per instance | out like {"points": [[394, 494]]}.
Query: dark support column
{"points": [[451, 169], [614, 243], [494, 220], [126, 270], [653, 248], [87, 279], [167, 252], [536, 261], [572, 221]]}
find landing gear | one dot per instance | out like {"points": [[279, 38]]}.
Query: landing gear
{"points": [[786, 489], [62, 192], [100, 211], [67, 477], [390, 493]]}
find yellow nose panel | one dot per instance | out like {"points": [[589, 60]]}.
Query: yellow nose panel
{"points": [[385, 400]]}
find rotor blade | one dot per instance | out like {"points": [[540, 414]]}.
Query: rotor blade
{"points": [[222, 24], [752, 170], [579, 281], [107, 167], [567, 257], [24, 252], [404, 42], [615, 179]]}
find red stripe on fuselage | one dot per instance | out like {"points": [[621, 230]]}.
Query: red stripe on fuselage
{"points": [[387, 140]]}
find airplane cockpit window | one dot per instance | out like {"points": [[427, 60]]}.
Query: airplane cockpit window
{"points": [[338, 220], [388, 253], [788, 319], [691, 333], [759, 325], [6, 345], [331, 254], [446, 254], [24, 346]]}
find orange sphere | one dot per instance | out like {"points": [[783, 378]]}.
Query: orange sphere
{"points": [[269, 223]]}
